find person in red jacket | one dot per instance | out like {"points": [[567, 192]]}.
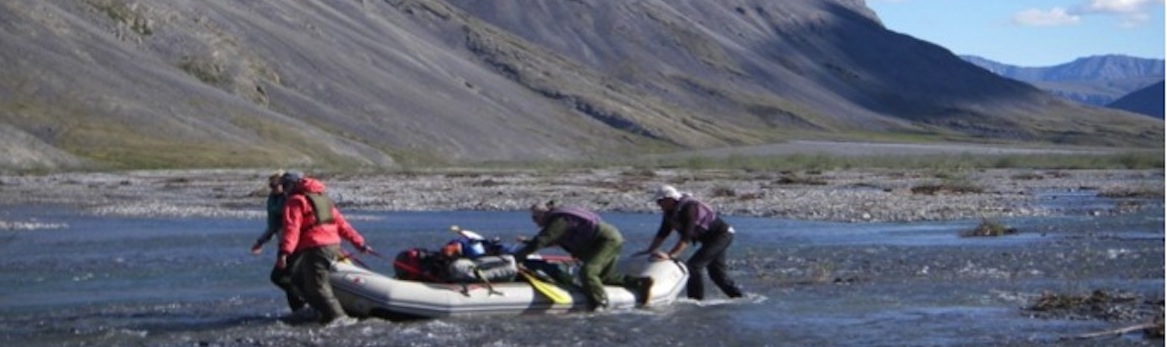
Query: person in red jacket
{"points": [[312, 229]]}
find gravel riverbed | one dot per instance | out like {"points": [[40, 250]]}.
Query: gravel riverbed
{"points": [[845, 196]]}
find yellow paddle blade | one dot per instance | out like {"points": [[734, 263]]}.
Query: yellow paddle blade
{"points": [[556, 294]]}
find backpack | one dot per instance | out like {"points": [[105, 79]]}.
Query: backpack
{"points": [[418, 264]]}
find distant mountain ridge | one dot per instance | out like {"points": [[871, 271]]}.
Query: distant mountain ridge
{"points": [[218, 83], [1148, 101], [1095, 80]]}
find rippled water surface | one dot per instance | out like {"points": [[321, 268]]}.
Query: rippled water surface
{"points": [[72, 278]]}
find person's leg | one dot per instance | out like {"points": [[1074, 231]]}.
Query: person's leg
{"points": [[717, 267], [315, 272], [593, 287], [610, 274], [711, 248], [695, 287], [283, 279], [612, 245], [598, 264]]}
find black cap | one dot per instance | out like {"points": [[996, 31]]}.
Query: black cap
{"points": [[290, 179]]}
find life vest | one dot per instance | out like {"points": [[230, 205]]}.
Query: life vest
{"points": [[582, 227], [703, 220], [321, 207]]}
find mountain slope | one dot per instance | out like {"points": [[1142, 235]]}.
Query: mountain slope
{"points": [[303, 84], [157, 83], [1096, 80], [1148, 101]]}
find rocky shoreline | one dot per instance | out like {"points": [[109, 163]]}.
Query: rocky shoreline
{"points": [[1076, 271], [841, 196]]}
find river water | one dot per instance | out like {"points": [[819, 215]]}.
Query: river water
{"points": [[73, 278]]}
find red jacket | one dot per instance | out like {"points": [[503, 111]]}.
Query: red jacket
{"points": [[300, 230]]}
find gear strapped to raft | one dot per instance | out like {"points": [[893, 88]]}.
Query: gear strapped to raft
{"points": [[472, 258]]}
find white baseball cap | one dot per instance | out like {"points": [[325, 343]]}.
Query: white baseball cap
{"points": [[667, 192]]}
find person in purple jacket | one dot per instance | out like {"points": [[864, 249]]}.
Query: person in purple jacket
{"points": [[695, 222], [596, 244]]}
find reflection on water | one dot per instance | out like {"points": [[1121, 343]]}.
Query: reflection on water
{"points": [[74, 278]]}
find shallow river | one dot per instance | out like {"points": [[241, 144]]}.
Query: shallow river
{"points": [[71, 278]]}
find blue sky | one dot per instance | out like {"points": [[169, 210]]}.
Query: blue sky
{"points": [[1031, 32]]}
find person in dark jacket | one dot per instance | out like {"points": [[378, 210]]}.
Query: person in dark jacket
{"points": [[694, 222], [313, 228], [596, 244], [275, 214]]}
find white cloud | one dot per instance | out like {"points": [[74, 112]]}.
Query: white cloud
{"points": [[1053, 17], [1120, 6], [1132, 12], [1134, 20]]}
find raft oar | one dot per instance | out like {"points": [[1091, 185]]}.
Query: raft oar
{"points": [[466, 233], [556, 294]]}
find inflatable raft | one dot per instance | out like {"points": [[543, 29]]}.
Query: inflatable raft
{"points": [[365, 293]]}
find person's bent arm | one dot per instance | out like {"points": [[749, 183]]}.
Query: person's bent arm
{"points": [[656, 242], [347, 232], [273, 224], [290, 235], [662, 233], [554, 230], [687, 230]]}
